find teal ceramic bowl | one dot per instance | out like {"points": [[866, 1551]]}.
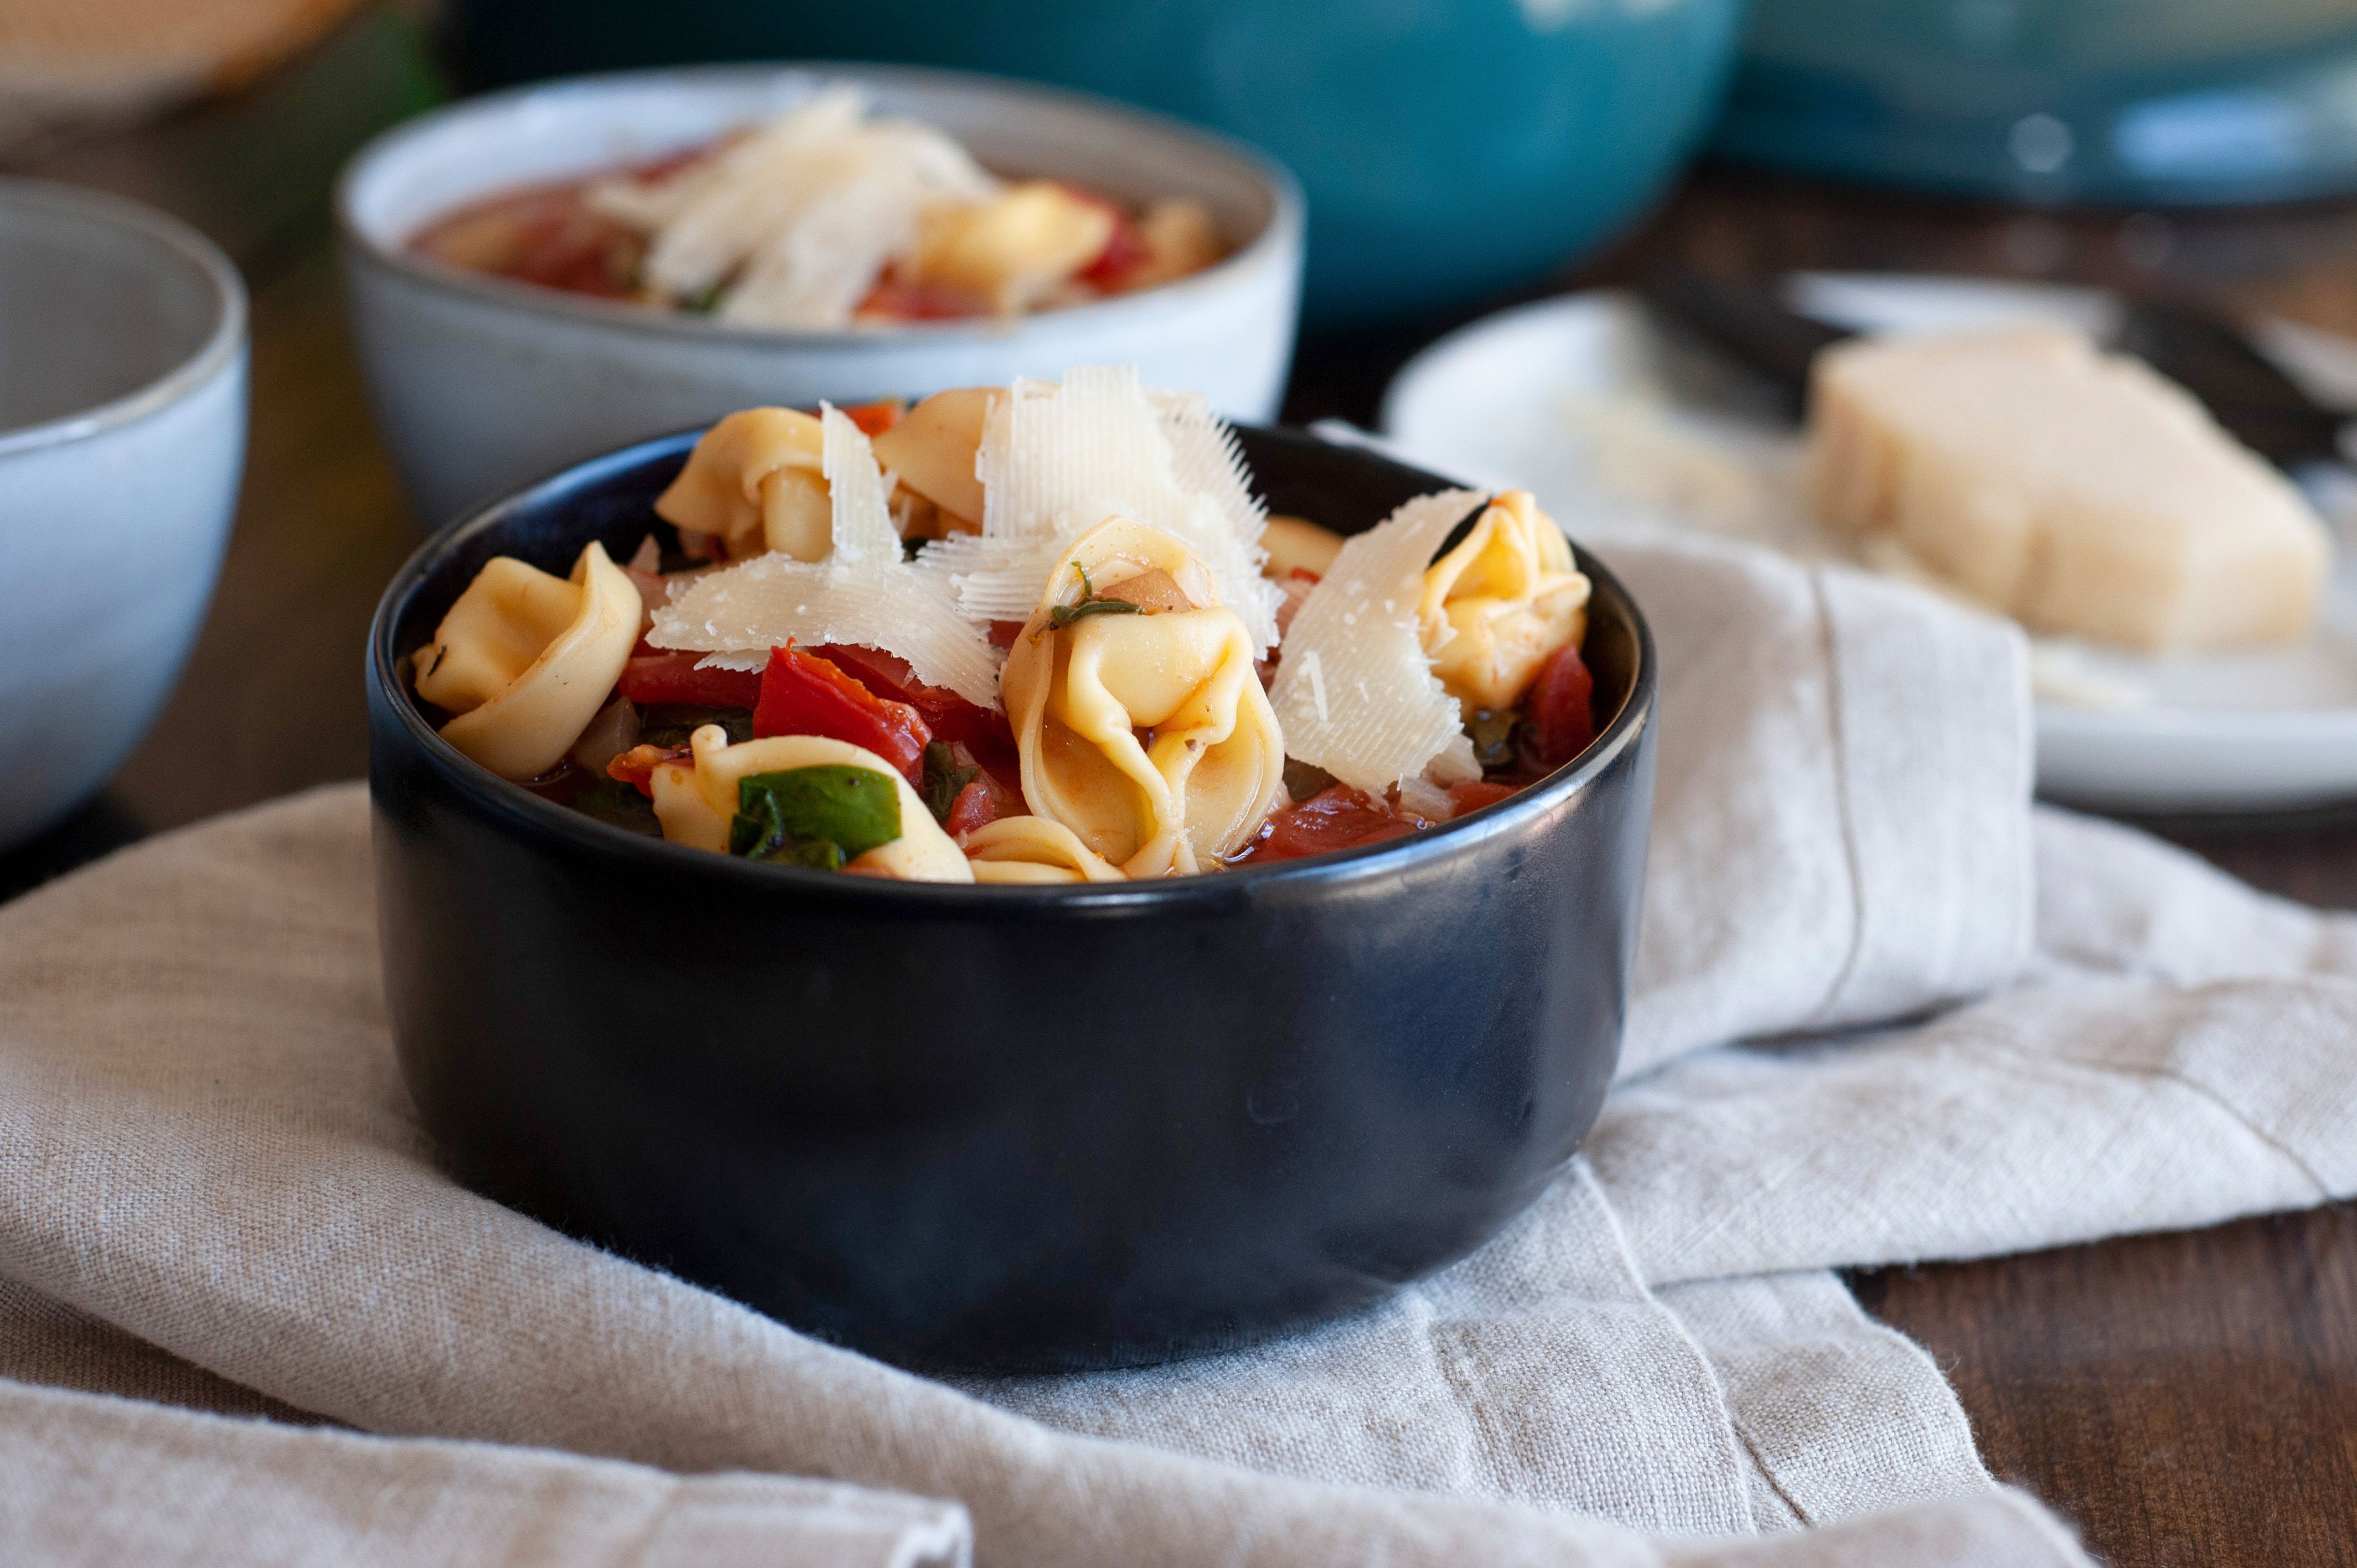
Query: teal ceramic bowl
{"points": [[2183, 103], [1450, 148]]}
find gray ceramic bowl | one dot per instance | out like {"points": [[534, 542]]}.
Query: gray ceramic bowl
{"points": [[483, 384], [122, 437]]}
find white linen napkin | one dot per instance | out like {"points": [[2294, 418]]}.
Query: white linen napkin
{"points": [[1986, 1022]]}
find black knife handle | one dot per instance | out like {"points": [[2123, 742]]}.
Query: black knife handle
{"points": [[1745, 322], [2244, 390]]}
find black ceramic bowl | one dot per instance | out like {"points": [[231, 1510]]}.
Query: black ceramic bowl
{"points": [[1004, 1127]]}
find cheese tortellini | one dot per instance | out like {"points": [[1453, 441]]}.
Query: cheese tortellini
{"points": [[525, 660], [1498, 605], [1014, 250], [698, 801], [756, 483], [1140, 721], [1034, 850], [932, 446]]}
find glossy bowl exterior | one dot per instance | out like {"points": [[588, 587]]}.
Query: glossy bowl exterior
{"points": [[1002, 1127], [121, 439], [482, 385], [2122, 102]]}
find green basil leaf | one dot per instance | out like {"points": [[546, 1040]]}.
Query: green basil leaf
{"points": [[1089, 604], [945, 779], [817, 854], [781, 815]]}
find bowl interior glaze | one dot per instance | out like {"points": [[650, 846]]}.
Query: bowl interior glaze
{"points": [[101, 303]]}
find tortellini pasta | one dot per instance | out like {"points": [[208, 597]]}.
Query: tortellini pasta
{"points": [[525, 660], [696, 802], [1297, 544], [1142, 728], [755, 482], [932, 448], [1012, 250], [1034, 850], [1498, 605]]}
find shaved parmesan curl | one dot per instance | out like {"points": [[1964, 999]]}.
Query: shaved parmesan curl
{"points": [[1058, 459], [864, 594], [1356, 694]]}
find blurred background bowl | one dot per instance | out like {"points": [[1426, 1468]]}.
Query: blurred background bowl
{"points": [[482, 384], [1450, 148], [2127, 102], [121, 439]]}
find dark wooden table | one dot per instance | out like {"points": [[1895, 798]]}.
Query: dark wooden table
{"points": [[2185, 1399]]}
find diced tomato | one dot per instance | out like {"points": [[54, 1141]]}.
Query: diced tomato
{"points": [[981, 802], [1557, 715], [886, 674], [1476, 793], [1336, 818], [661, 677], [805, 694], [1124, 252], [875, 418], [637, 766], [1003, 633], [950, 717]]}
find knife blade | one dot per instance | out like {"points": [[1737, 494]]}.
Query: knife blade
{"points": [[1744, 322]]}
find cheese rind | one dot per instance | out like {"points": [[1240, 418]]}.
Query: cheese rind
{"points": [[2076, 491]]}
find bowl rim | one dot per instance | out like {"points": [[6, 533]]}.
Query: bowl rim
{"points": [[523, 808], [1280, 237], [221, 345]]}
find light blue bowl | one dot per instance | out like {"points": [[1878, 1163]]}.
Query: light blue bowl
{"points": [[122, 437], [483, 384], [2119, 101], [1450, 148]]}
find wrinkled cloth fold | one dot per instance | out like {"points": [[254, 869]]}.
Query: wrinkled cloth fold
{"points": [[1885, 1009], [85, 1474]]}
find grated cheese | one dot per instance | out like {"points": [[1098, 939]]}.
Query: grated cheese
{"points": [[863, 594], [1398, 723]]}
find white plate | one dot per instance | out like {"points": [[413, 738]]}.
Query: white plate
{"points": [[1545, 394]]}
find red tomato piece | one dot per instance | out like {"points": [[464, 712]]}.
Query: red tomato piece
{"points": [[875, 418], [637, 766], [1561, 724], [950, 717], [1003, 633], [1336, 818], [673, 678], [1124, 252], [1476, 793], [805, 694], [981, 802]]}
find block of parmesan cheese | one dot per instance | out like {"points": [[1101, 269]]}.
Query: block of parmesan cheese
{"points": [[2077, 492]]}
